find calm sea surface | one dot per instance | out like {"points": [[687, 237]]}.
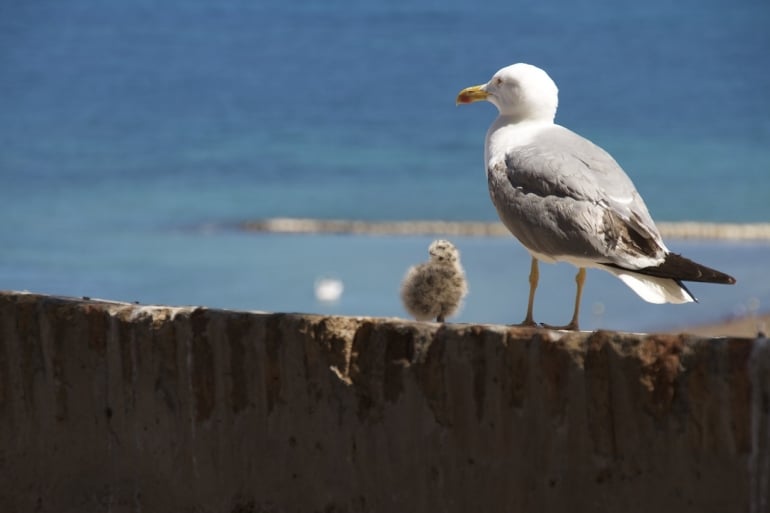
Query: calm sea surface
{"points": [[133, 134]]}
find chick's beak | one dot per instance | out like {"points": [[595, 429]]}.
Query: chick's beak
{"points": [[472, 94]]}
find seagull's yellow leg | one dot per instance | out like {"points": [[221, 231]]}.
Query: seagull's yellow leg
{"points": [[534, 276], [580, 279]]}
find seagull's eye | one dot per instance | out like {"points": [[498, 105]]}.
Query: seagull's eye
{"points": [[498, 81]]}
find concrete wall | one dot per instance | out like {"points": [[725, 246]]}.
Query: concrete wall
{"points": [[119, 407]]}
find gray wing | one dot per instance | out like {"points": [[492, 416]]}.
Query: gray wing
{"points": [[562, 195]]}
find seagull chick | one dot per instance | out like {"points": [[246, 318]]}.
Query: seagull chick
{"points": [[567, 200], [434, 289]]}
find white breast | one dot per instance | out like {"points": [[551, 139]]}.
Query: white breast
{"points": [[504, 136]]}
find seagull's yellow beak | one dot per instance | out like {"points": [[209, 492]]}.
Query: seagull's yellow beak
{"points": [[472, 94]]}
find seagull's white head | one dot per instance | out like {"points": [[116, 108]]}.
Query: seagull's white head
{"points": [[444, 252], [521, 91]]}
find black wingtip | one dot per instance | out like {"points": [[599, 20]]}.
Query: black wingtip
{"points": [[679, 268]]}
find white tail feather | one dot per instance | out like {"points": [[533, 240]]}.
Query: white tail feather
{"points": [[653, 289]]}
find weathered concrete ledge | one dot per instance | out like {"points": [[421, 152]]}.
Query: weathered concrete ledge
{"points": [[120, 407], [679, 230]]}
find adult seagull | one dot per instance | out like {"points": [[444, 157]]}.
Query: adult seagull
{"points": [[567, 200]]}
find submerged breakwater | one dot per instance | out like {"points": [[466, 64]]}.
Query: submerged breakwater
{"points": [[678, 230]]}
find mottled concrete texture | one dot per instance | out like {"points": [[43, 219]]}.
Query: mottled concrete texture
{"points": [[119, 407]]}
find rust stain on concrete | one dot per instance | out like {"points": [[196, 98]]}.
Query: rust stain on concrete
{"points": [[660, 357], [273, 375], [203, 378], [600, 399], [238, 331], [740, 390]]}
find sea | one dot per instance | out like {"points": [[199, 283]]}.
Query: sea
{"points": [[136, 136]]}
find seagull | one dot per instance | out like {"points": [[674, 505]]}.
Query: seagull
{"points": [[567, 200], [434, 289]]}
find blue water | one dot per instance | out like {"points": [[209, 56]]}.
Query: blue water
{"points": [[133, 133]]}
